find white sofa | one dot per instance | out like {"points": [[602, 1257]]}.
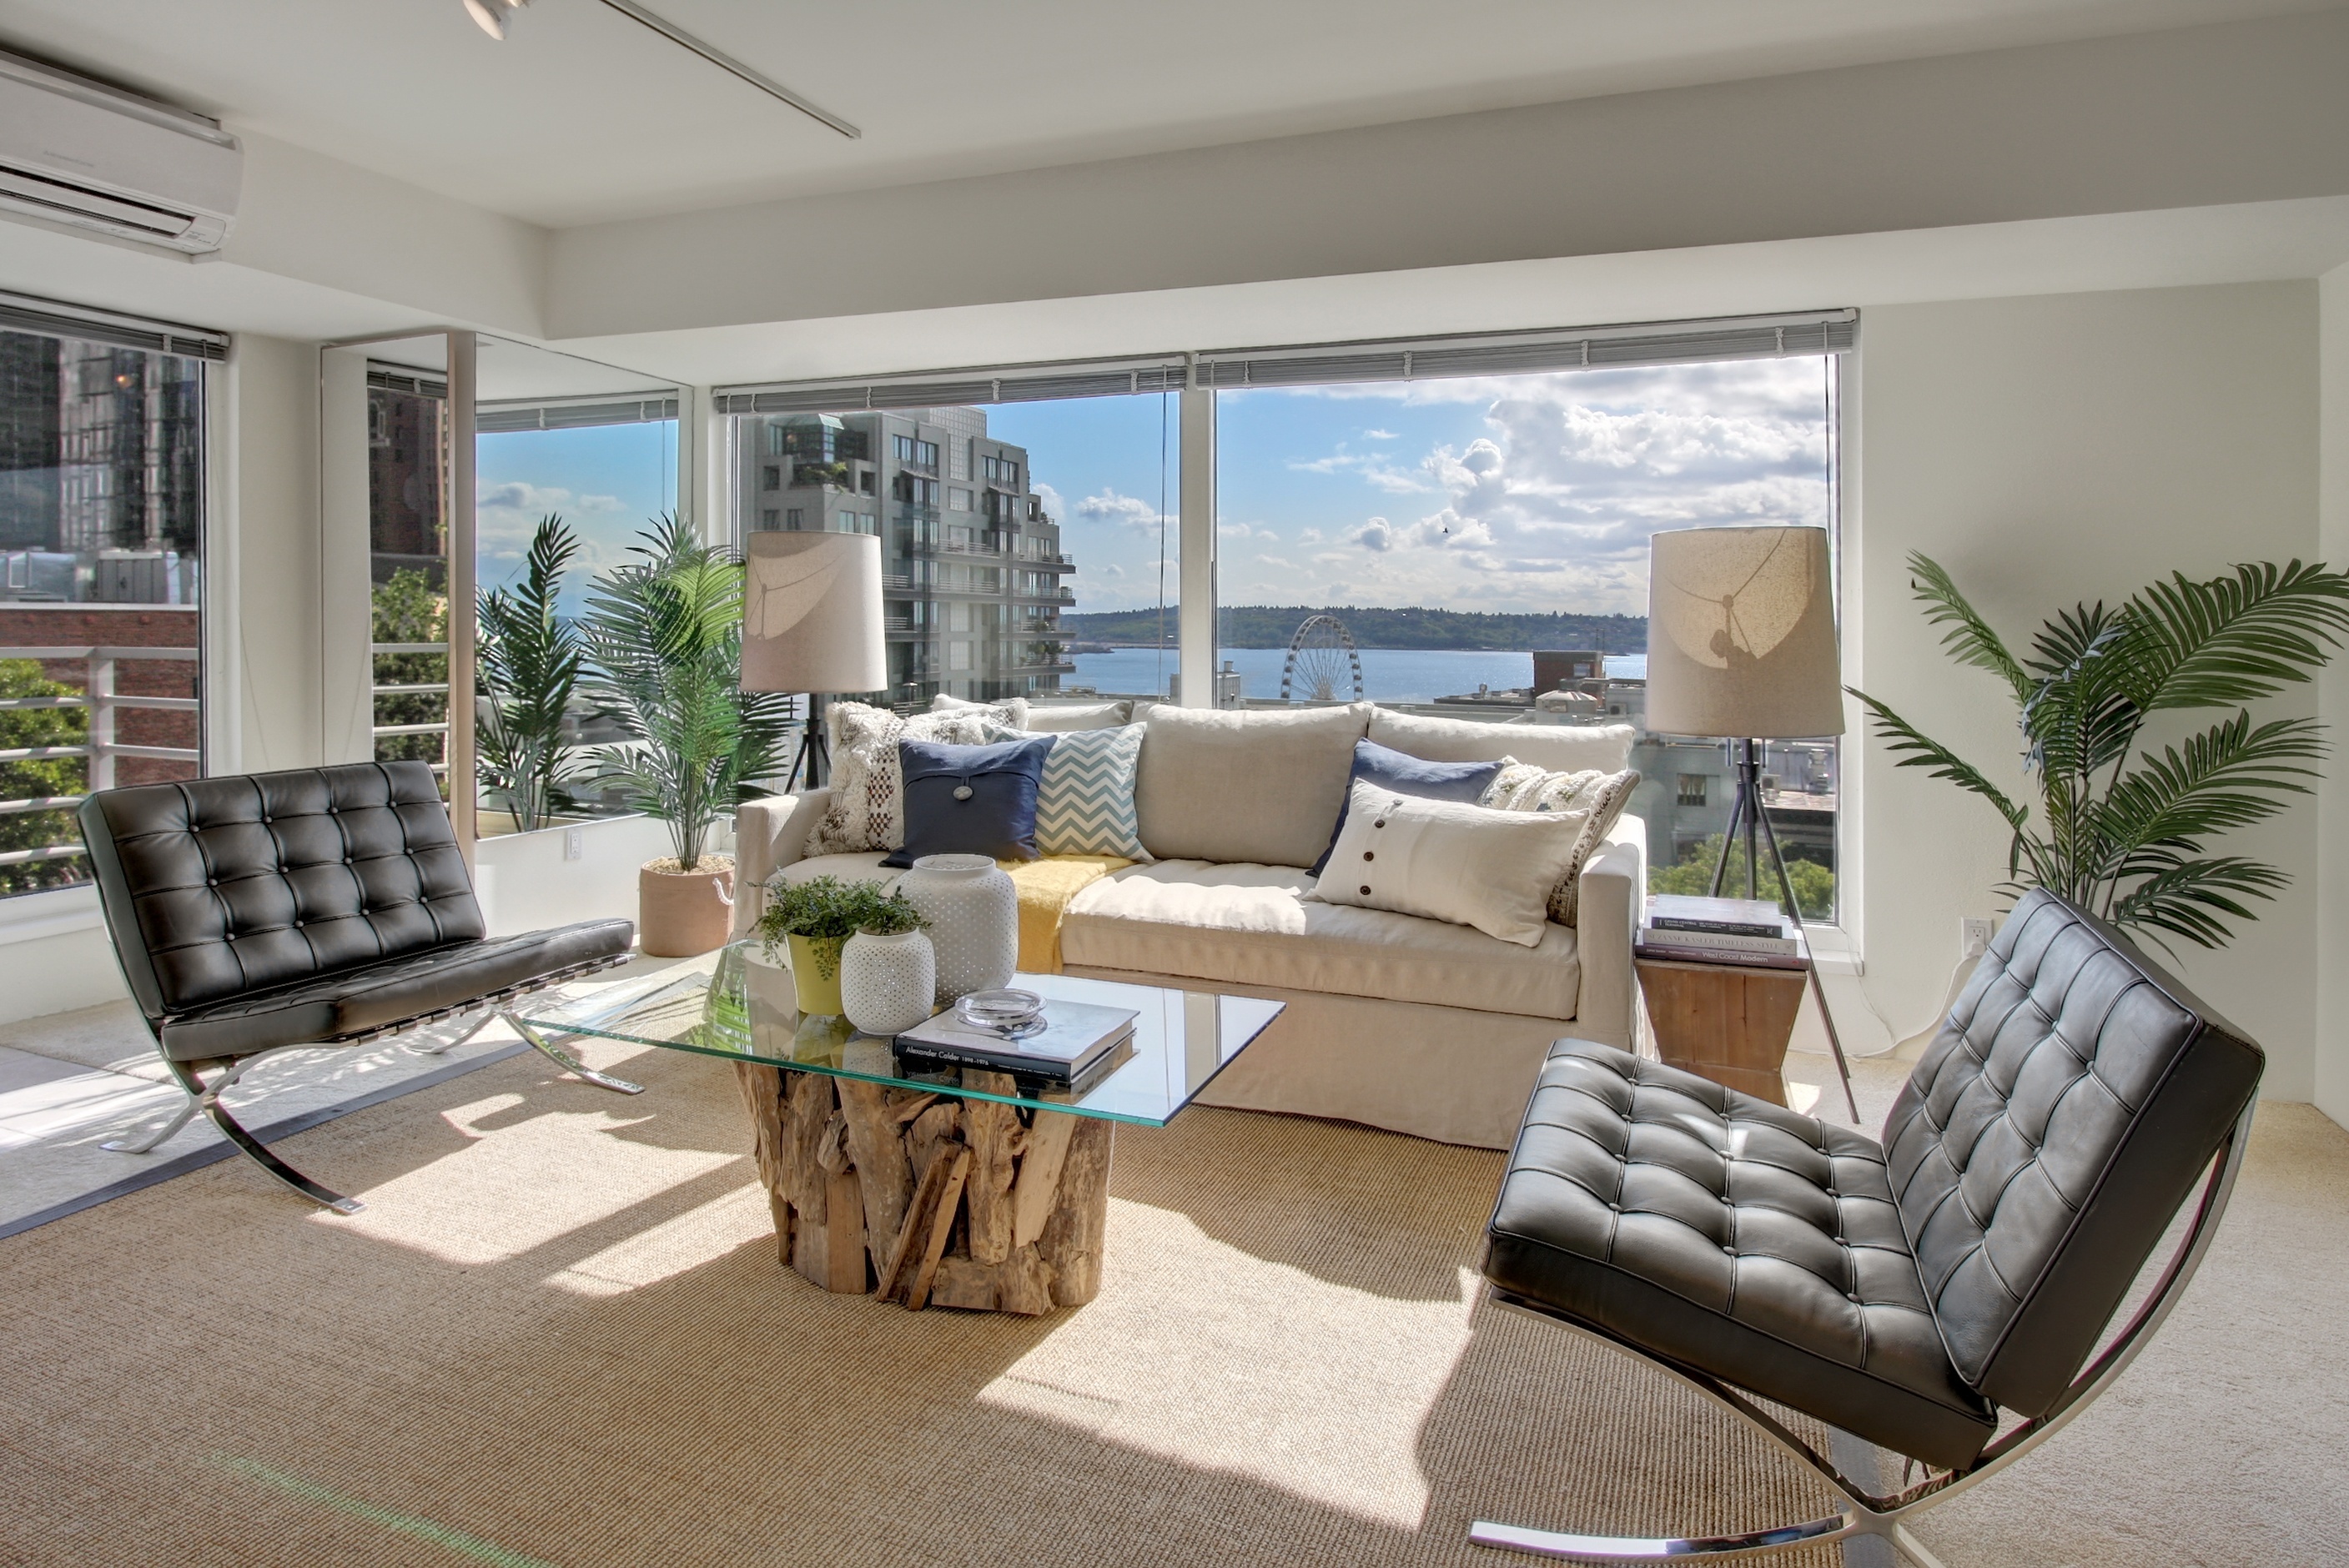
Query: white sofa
{"points": [[1397, 1022]]}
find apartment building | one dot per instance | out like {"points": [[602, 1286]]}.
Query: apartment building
{"points": [[976, 575]]}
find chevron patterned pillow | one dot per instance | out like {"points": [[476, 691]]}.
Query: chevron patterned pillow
{"points": [[1086, 804]]}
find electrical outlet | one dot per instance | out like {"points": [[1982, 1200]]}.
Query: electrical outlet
{"points": [[574, 843], [1974, 928]]}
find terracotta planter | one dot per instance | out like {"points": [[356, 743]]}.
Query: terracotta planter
{"points": [[681, 914]]}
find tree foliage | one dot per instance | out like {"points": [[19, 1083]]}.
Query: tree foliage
{"points": [[2120, 831], [1815, 885], [40, 778]]}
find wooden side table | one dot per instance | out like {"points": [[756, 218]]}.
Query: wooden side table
{"points": [[1726, 1022]]}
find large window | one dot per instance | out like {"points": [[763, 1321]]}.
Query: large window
{"points": [[996, 519], [101, 572], [1476, 547], [1458, 528]]}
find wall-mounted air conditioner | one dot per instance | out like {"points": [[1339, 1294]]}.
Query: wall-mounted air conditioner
{"points": [[77, 152]]}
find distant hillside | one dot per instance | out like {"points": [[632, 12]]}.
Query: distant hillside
{"points": [[1271, 626]]}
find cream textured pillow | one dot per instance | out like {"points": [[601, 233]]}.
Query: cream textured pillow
{"points": [[1449, 860], [1591, 797], [867, 808], [1010, 710]]}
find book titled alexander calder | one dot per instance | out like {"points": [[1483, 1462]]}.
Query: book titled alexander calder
{"points": [[1075, 1036]]}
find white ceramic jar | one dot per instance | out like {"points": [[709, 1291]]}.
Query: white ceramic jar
{"points": [[888, 983], [974, 914]]}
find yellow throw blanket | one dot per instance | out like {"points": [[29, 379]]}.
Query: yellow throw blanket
{"points": [[1046, 886]]}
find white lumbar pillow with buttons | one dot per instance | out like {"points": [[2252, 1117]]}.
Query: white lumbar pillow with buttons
{"points": [[1447, 859]]}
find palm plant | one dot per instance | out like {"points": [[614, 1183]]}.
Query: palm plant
{"points": [[665, 657], [2121, 831], [530, 661]]}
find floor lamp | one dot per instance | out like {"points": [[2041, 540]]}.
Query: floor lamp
{"points": [[1741, 645], [812, 625]]}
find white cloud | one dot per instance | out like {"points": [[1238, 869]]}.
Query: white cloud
{"points": [[1547, 501], [1380, 436], [1126, 511]]}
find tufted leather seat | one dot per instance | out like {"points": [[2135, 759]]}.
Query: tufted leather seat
{"points": [[1901, 1291], [1726, 1233], [303, 907]]}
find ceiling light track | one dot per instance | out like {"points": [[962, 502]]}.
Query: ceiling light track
{"points": [[490, 15]]}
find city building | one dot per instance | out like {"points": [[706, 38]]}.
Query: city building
{"points": [[975, 576]]}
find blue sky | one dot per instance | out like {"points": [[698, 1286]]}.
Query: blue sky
{"points": [[607, 481], [1504, 493]]}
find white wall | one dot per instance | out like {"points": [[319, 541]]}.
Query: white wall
{"points": [[2332, 846], [2049, 450]]}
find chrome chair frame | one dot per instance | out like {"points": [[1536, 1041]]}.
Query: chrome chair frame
{"points": [[499, 1005], [1868, 1513]]}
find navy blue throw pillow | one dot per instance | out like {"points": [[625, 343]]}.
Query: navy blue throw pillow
{"points": [[970, 799], [1407, 775]]}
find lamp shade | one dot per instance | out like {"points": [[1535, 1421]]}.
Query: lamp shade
{"points": [[812, 614], [1742, 635]]}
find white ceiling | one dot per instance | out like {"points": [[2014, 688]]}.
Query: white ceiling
{"points": [[583, 116]]}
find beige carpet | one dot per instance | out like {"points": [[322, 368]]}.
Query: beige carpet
{"points": [[559, 1335]]}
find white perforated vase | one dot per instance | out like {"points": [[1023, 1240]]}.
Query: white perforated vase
{"points": [[974, 914], [888, 982]]}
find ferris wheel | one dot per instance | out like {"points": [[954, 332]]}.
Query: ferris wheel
{"points": [[1321, 661]]}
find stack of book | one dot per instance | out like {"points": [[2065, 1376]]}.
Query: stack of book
{"points": [[1079, 1045], [1720, 931]]}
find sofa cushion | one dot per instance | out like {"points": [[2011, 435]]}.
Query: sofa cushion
{"points": [[1251, 924], [970, 799], [1241, 786], [1451, 860], [1061, 718], [1561, 747], [858, 866], [1407, 775]]}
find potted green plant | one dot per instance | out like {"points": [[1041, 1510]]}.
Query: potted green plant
{"points": [[664, 644], [815, 918], [2122, 832], [530, 661]]}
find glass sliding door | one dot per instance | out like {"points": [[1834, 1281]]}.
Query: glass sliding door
{"points": [[103, 539]]}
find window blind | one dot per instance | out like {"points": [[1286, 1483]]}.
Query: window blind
{"points": [[54, 318], [570, 413], [939, 389], [405, 378], [1391, 359]]}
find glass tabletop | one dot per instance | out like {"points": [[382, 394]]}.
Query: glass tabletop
{"points": [[743, 1008]]}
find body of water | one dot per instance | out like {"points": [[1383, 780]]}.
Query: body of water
{"points": [[1389, 675]]}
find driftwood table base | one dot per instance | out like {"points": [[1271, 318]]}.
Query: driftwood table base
{"points": [[920, 1197]]}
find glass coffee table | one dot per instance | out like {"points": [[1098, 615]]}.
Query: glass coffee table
{"points": [[962, 1187]]}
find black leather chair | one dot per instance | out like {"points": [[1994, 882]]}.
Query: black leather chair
{"points": [[319, 907], [1905, 1292]]}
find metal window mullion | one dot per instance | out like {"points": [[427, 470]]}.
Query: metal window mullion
{"points": [[458, 752], [1195, 559]]}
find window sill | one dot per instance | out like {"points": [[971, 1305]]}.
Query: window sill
{"points": [[29, 917], [1832, 950]]}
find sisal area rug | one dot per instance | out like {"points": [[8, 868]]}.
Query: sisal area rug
{"points": [[559, 1335]]}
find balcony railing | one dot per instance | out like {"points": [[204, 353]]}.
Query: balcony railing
{"points": [[102, 702], [427, 689]]}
